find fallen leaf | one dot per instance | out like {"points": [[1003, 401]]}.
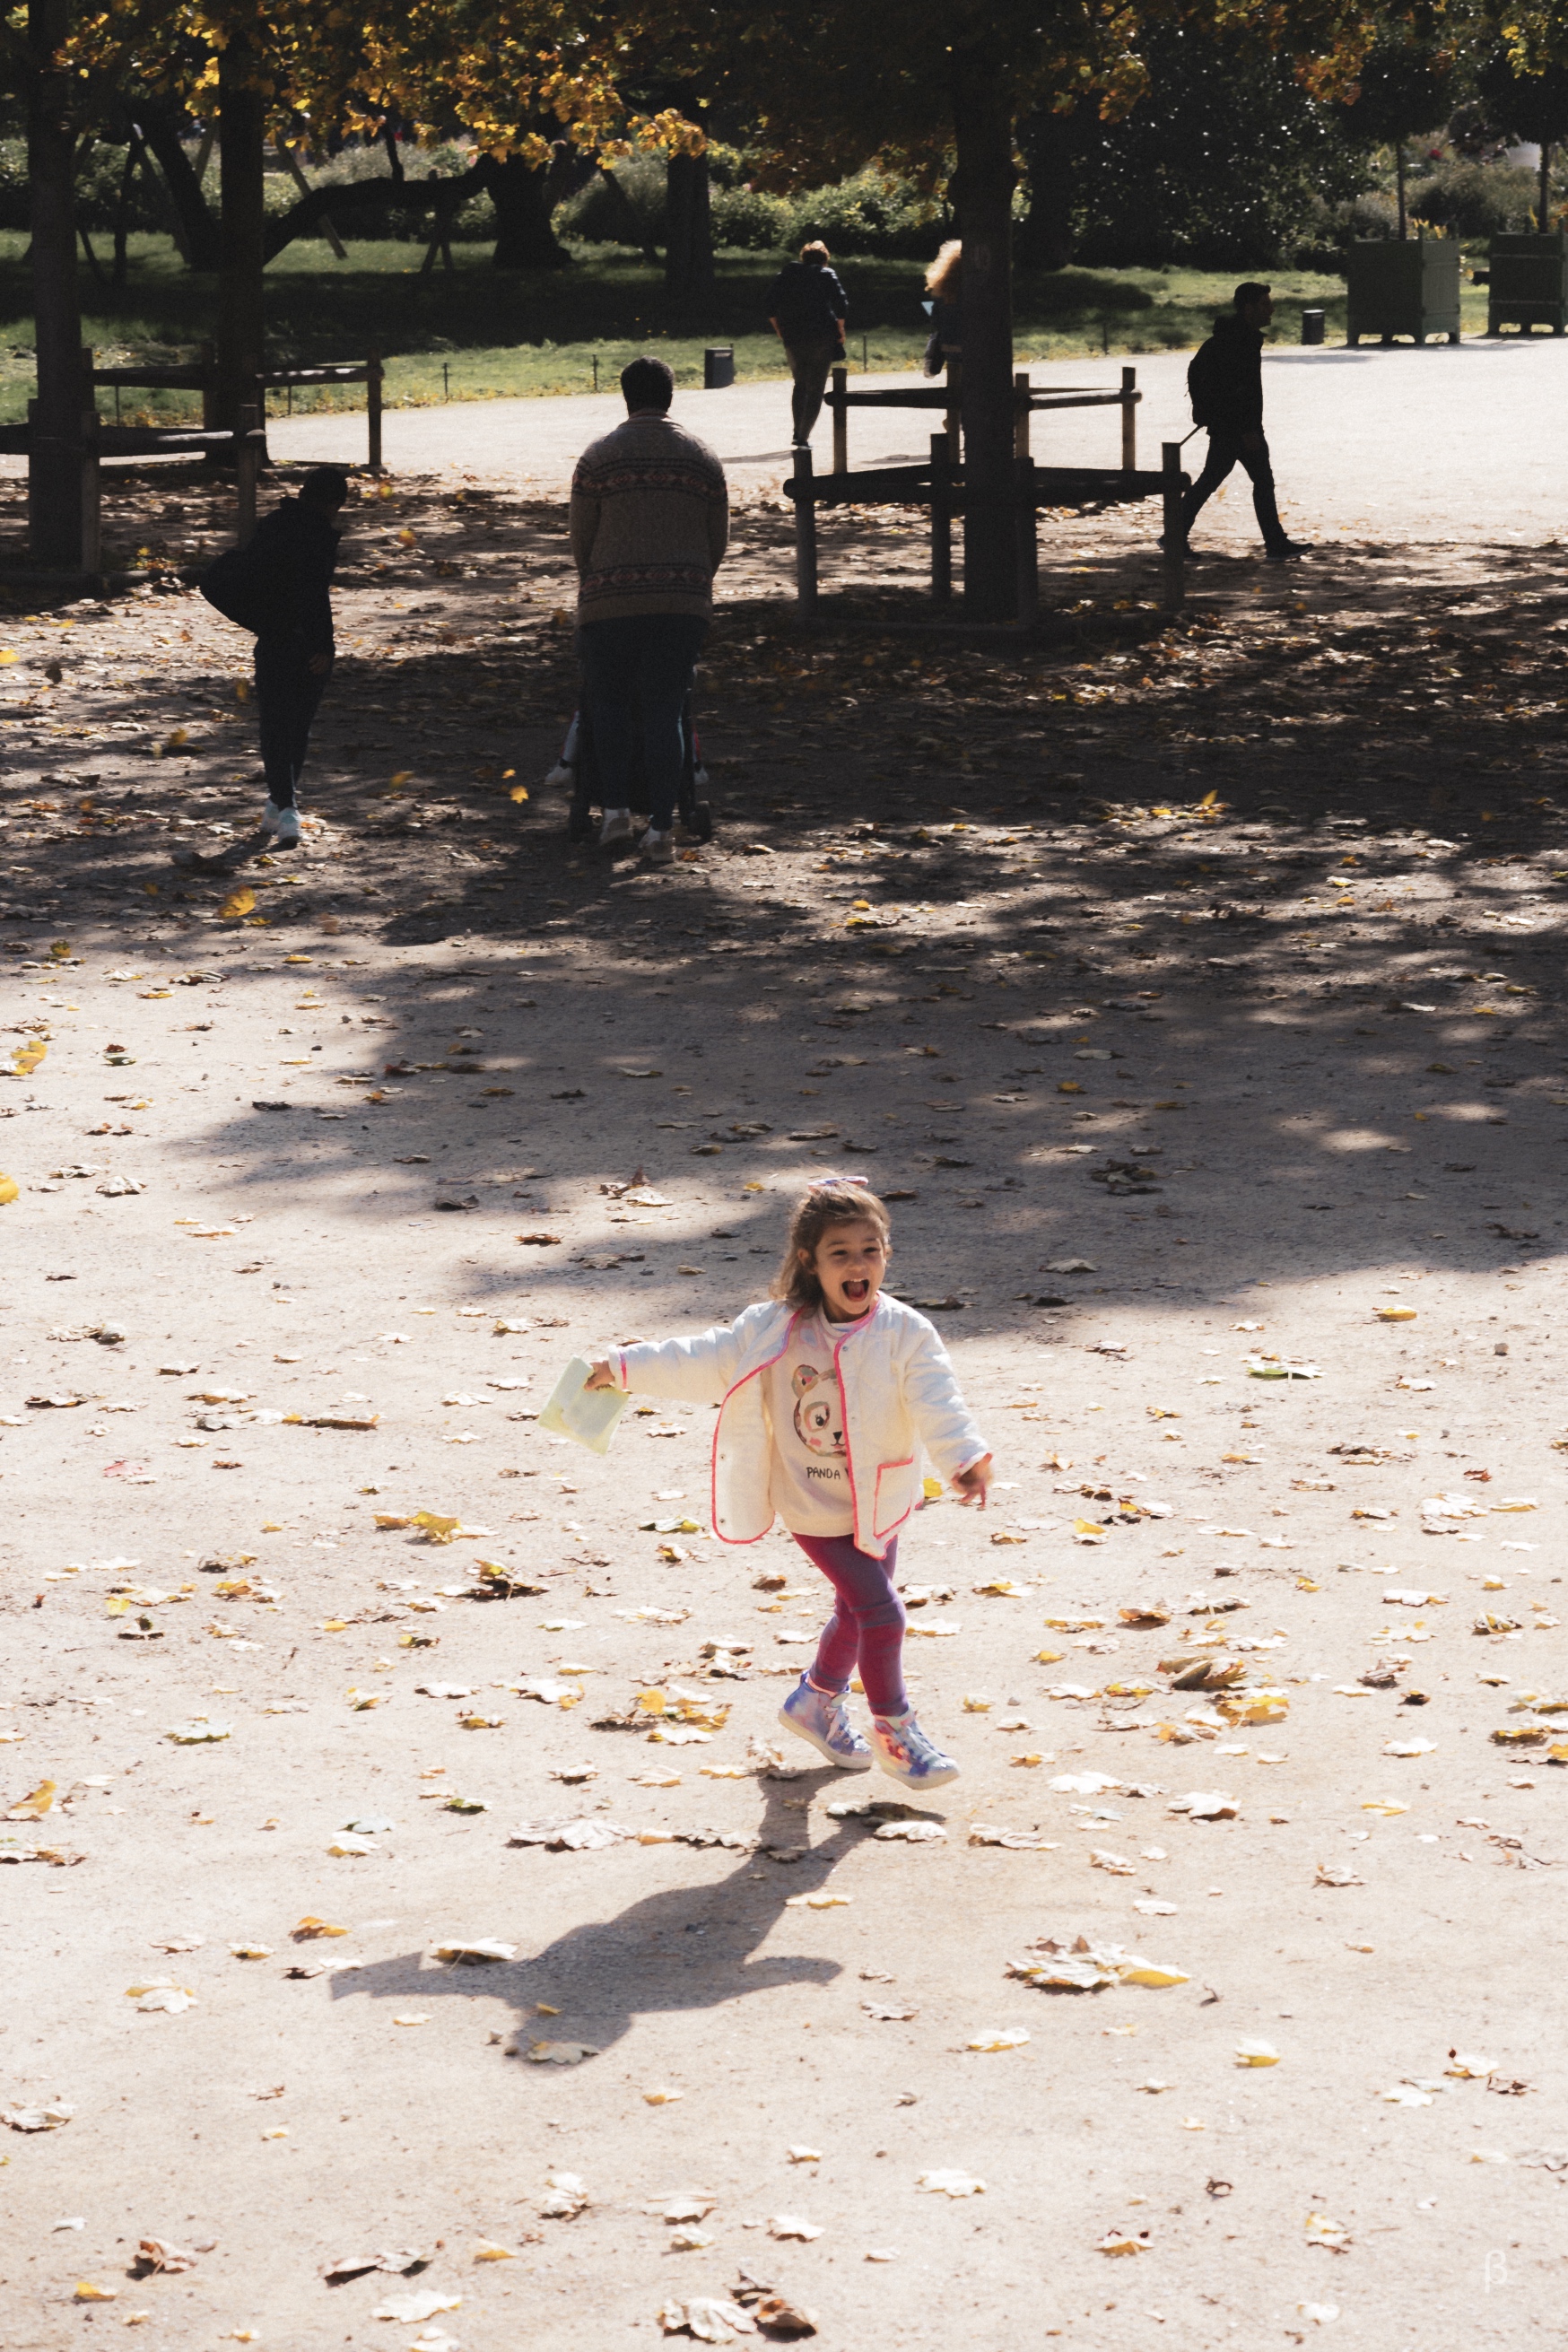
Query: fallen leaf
{"points": [[1254, 2053], [950, 2184], [423, 2305], [33, 1807]]}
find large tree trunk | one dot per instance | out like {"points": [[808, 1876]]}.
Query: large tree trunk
{"points": [[59, 527], [524, 197], [241, 129], [1543, 211], [689, 228], [199, 235], [983, 191], [1045, 236]]}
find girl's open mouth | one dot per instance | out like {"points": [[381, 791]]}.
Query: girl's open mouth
{"points": [[857, 1287]]}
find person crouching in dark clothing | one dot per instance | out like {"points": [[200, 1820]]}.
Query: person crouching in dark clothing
{"points": [[1225, 383], [292, 555]]}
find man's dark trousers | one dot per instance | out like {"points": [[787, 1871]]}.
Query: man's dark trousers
{"points": [[637, 669], [288, 692], [1227, 452]]}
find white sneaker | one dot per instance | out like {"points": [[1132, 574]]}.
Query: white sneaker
{"points": [[618, 827], [907, 1755], [658, 848], [283, 821]]}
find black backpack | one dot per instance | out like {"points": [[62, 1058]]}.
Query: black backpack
{"points": [[236, 584], [1203, 381]]}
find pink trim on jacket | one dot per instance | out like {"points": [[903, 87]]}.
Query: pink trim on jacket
{"points": [[734, 1390]]}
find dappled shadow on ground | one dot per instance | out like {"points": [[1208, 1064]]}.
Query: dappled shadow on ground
{"points": [[1017, 857]]}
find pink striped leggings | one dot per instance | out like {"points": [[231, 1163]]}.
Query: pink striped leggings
{"points": [[866, 1627]]}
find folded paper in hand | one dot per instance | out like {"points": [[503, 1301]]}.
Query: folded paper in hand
{"points": [[574, 1410]]}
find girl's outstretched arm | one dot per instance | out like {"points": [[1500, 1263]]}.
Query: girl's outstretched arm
{"points": [[699, 1371]]}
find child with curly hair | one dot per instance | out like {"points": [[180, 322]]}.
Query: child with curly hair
{"points": [[828, 1392]]}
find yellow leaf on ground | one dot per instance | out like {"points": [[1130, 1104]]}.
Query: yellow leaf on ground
{"points": [[33, 1807], [238, 903]]}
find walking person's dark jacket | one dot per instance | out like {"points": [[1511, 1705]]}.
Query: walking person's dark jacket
{"points": [[280, 585], [809, 303], [1225, 381]]}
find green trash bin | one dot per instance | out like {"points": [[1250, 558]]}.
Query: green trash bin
{"points": [[1402, 288], [1528, 283]]}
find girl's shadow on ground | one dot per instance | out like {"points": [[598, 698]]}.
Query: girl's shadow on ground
{"points": [[688, 1948]]}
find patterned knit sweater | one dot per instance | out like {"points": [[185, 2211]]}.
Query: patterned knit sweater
{"points": [[651, 521]]}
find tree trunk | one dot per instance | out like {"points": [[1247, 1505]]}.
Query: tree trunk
{"points": [[133, 157], [1399, 187], [241, 129], [1543, 216], [689, 228], [198, 234], [982, 190], [524, 196], [56, 516], [1044, 238]]}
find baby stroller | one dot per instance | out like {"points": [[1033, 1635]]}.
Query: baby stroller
{"points": [[577, 768]]}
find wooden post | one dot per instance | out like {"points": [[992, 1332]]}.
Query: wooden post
{"points": [[838, 400], [242, 125], [208, 363], [247, 464], [1175, 590], [372, 408], [92, 483], [1128, 421], [1028, 545], [1021, 412], [954, 402], [55, 519], [940, 519], [805, 531]]}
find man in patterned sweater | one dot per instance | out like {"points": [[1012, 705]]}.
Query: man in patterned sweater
{"points": [[651, 521]]}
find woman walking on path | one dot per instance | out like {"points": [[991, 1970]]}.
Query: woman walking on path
{"points": [[943, 284], [806, 311], [826, 1391]]}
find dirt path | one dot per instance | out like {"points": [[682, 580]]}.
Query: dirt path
{"points": [[1197, 1000]]}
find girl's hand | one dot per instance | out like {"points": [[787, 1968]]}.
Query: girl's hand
{"points": [[601, 1377], [972, 1484]]}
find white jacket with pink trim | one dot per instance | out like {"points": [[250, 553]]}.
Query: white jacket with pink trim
{"points": [[900, 1393]]}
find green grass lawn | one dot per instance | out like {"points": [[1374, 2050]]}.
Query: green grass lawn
{"points": [[479, 333]]}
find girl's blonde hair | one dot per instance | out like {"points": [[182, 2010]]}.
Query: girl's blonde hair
{"points": [[831, 1200], [942, 277]]}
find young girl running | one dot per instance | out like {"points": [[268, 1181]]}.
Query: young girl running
{"points": [[826, 1393]]}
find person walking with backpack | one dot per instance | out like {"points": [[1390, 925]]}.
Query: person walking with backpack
{"points": [[649, 524], [806, 309], [279, 585], [1225, 384]]}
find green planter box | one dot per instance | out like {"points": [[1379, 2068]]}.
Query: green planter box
{"points": [[1528, 285], [1403, 289]]}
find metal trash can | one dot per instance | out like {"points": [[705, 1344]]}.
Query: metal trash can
{"points": [[718, 367], [1312, 326]]}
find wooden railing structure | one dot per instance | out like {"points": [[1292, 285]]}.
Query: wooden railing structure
{"points": [[245, 444], [1027, 400], [938, 484]]}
